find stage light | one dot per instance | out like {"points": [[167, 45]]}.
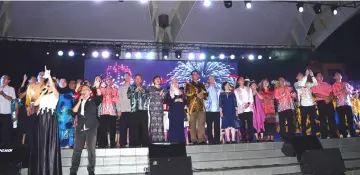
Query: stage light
{"points": [[269, 58], [191, 56], [228, 4], [207, 3], [317, 8], [150, 55], [202, 56], [95, 54], [242, 57], [165, 53], [178, 54], [232, 57], [117, 55], [334, 10], [165, 57], [222, 56], [128, 55], [248, 4], [105, 54], [143, 1], [259, 57], [60, 53], [212, 57], [138, 55], [71, 53], [300, 7], [47, 53], [83, 54], [251, 57]]}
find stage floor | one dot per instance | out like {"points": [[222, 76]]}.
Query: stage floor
{"points": [[248, 158]]}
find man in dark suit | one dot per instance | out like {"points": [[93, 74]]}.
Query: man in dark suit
{"points": [[86, 129]]}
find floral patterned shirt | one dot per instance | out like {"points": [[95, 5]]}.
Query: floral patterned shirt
{"points": [[342, 92], [283, 96], [268, 102], [110, 97]]}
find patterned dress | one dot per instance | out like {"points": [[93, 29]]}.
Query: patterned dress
{"points": [[156, 111], [65, 119]]}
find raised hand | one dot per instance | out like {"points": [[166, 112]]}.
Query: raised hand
{"points": [[47, 73], [97, 83], [25, 77]]}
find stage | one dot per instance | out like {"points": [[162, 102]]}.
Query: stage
{"points": [[248, 158]]}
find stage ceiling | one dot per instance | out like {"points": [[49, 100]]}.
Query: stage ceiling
{"points": [[267, 23]]}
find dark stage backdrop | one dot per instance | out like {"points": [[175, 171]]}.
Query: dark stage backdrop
{"points": [[181, 70]]}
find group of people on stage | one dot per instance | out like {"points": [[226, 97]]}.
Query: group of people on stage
{"points": [[54, 113]]}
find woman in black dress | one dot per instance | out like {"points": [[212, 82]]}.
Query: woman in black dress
{"points": [[45, 157], [176, 101]]}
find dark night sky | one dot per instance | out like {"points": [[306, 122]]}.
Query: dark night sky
{"points": [[344, 44]]}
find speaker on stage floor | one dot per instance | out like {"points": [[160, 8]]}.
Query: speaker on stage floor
{"points": [[322, 162], [296, 145], [11, 159], [169, 158]]}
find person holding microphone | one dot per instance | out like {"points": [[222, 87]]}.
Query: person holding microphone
{"points": [[86, 129]]}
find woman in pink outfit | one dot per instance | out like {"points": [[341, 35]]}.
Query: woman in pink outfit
{"points": [[258, 114]]}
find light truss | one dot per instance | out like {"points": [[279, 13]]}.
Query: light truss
{"points": [[147, 46], [347, 4]]}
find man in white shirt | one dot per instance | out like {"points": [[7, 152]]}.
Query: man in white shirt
{"points": [[306, 101], [123, 107], [245, 100], [7, 93]]}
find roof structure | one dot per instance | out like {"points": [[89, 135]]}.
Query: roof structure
{"points": [[267, 23]]}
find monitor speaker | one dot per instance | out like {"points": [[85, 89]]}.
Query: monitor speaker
{"points": [[169, 158], [11, 160], [296, 145], [165, 150], [322, 162]]}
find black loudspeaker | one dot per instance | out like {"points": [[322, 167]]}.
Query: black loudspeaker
{"points": [[11, 160], [295, 146], [163, 21], [165, 150], [322, 162], [169, 158], [171, 165]]}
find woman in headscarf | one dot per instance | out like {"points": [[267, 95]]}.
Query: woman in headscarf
{"points": [[176, 101]]}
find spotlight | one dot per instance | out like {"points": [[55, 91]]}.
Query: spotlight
{"points": [[334, 10], [165, 53], [60, 53], [317, 8], [150, 55], [105, 54], [95, 54], [228, 4], [191, 56], [212, 57], [259, 57], [47, 53], [251, 57], [138, 55], [83, 54], [128, 55], [202, 56], [222, 56], [143, 1], [248, 4], [117, 55], [71, 53], [242, 57], [207, 3], [232, 57], [300, 7], [269, 58], [178, 54]]}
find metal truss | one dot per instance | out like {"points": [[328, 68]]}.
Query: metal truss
{"points": [[348, 4], [148, 46]]}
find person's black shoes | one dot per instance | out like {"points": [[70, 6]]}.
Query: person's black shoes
{"points": [[91, 173]]}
